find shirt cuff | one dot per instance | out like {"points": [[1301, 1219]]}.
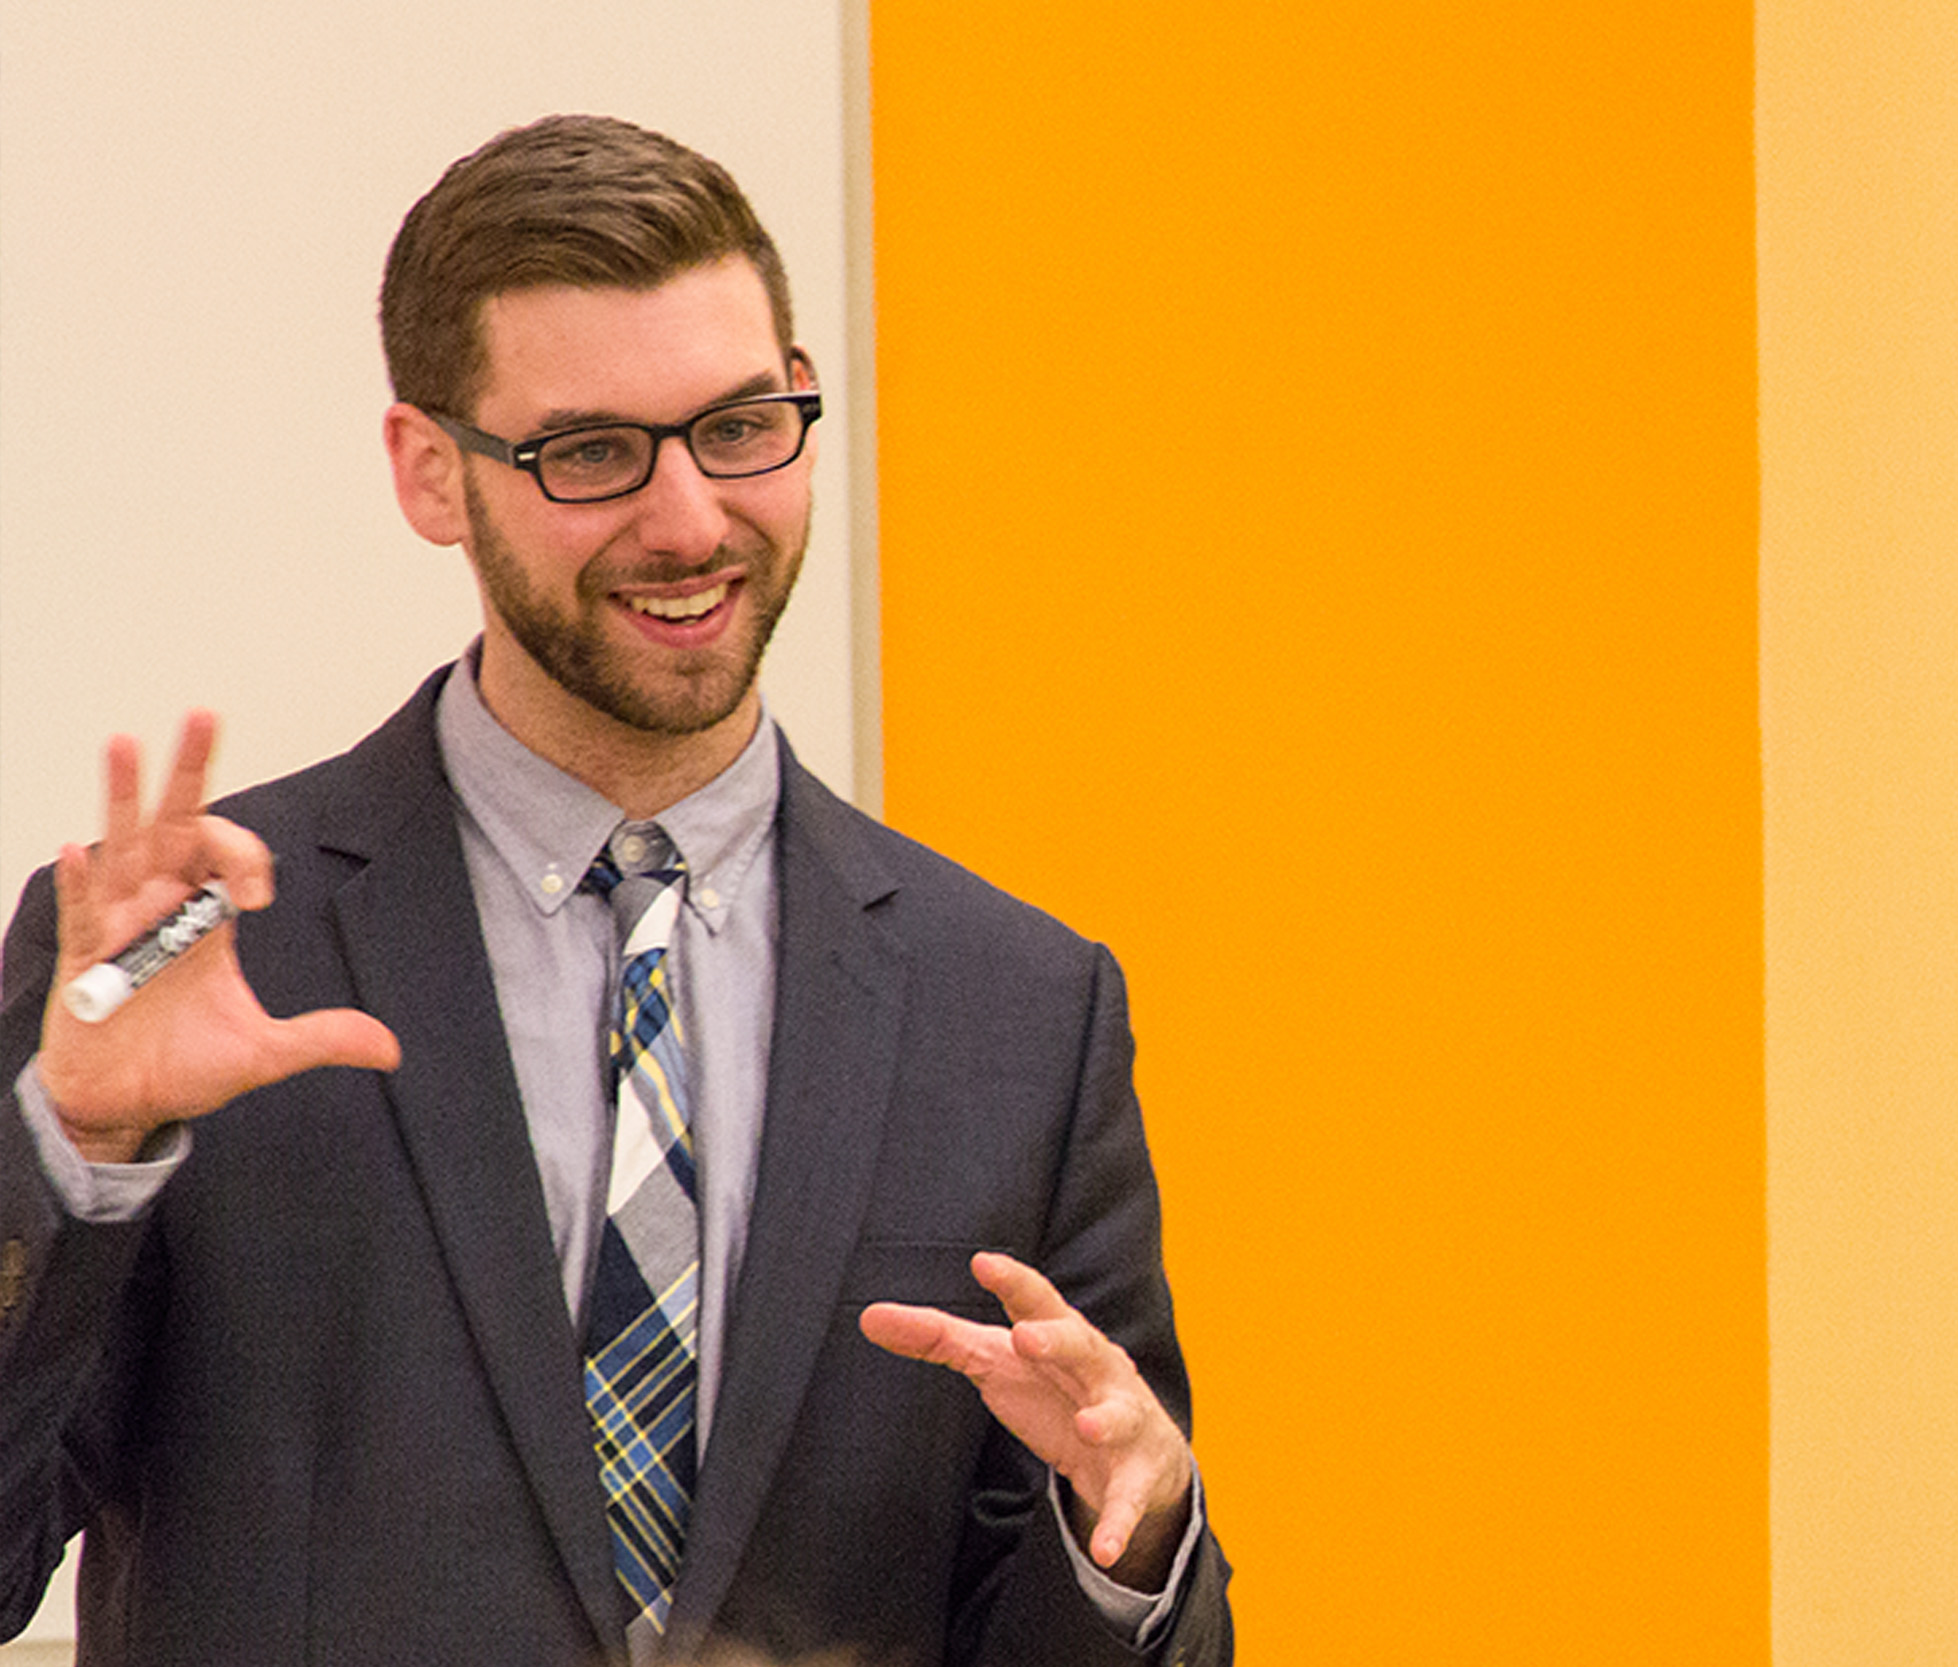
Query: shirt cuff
{"points": [[96, 1192], [1138, 1616]]}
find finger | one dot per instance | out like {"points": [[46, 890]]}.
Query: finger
{"points": [[120, 855], [1024, 1292], [175, 830], [238, 857], [1069, 1354], [183, 787], [1111, 1422], [1070, 1344], [77, 929], [931, 1335], [1074, 1348], [911, 1332], [1120, 1514]]}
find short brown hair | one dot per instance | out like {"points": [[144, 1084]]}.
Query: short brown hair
{"points": [[585, 200]]}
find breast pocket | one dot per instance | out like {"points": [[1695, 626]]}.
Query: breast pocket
{"points": [[929, 1274]]}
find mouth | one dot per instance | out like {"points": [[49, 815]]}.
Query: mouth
{"points": [[680, 610], [690, 615]]}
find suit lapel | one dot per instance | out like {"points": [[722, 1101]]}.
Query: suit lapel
{"points": [[414, 947], [838, 1006]]}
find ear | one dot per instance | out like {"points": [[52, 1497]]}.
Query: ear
{"points": [[802, 376], [427, 474]]}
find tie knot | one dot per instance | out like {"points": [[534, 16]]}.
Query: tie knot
{"points": [[642, 852], [638, 874]]}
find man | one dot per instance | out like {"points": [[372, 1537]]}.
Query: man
{"points": [[333, 1330]]}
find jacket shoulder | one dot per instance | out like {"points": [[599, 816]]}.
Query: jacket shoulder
{"points": [[353, 796], [932, 901]]}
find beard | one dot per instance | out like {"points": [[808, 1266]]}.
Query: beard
{"points": [[693, 691]]}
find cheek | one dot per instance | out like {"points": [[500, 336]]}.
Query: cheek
{"points": [[781, 509], [558, 549], [542, 534]]}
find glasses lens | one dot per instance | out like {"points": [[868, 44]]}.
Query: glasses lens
{"points": [[746, 439], [594, 462]]}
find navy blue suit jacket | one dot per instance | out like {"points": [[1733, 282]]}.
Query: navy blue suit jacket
{"points": [[323, 1404]]}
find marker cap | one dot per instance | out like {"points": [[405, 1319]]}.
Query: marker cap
{"points": [[93, 995]]}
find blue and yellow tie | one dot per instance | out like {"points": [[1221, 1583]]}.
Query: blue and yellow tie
{"points": [[641, 1336]]}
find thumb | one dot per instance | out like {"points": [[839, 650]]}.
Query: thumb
{"points": [[336, 1036]]}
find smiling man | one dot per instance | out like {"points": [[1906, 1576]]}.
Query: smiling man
{"points": [[622, 598], [674, 1215]]}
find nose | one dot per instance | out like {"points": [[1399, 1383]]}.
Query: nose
{"points": [[679, 512]]}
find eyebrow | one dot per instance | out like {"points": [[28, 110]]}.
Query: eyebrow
{"points": [[567, 417]]}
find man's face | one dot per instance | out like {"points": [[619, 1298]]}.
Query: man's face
{"points": [[652, 609]]}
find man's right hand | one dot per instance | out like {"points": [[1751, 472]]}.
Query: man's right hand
{"points": [[195, 1036]]}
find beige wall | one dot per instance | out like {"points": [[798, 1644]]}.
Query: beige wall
{"points": [[194, 205], [1858, 158]]}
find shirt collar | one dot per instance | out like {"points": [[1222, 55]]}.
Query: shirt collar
{"points": [[547, 826]]}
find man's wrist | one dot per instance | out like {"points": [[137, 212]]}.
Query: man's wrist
{"points": [[94, 1141], [114, 1145], [88, 1188]]}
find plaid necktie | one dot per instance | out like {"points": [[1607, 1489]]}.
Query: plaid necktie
{"points": [[641, 1338]]}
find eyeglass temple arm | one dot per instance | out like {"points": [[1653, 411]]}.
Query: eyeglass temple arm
{"points": [[474, 439]]}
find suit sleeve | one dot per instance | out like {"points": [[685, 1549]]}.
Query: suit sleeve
{"points": [[62, 1283], [1103, 1249]]}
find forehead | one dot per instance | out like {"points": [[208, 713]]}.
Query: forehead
{"points": [[648, 353]]}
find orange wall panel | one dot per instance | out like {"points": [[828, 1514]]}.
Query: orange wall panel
{"points": [[1318, 496]]}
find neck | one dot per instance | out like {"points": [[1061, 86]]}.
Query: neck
{"points": [[643, 772]]}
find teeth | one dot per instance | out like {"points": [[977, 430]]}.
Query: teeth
{"points": [[678, 607]]}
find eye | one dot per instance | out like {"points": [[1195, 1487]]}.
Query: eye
{"points": [[745, 438], [593, 456], [587, 451], [730, 428]]}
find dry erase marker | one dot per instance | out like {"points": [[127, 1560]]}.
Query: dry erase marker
{"points": [[93, 995]]}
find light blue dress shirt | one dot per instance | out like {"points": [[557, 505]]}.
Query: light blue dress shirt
{"points": [[529, 832]]}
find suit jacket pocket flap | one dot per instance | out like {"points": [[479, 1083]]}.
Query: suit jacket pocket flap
{"points": [[917, 1271]]}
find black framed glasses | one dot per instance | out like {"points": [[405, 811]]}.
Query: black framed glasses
{"points": [[611, 460]]}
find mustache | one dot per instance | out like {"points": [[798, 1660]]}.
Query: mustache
{"points": [[603, 574]]}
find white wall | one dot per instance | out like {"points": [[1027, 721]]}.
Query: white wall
{"points": [[195, 201]]}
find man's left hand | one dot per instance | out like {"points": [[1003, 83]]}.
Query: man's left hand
{"points": [[1075, 1399]]}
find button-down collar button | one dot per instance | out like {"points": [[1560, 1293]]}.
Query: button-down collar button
{"points": [[709, 898], [551, 884]]}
